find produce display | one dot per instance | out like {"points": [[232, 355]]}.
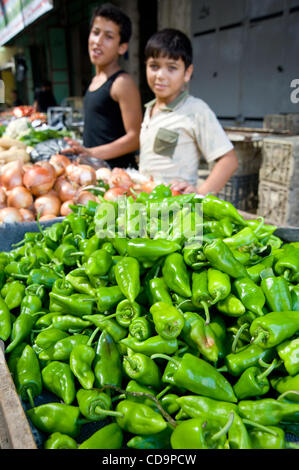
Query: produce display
{"points": [[158, 340]]}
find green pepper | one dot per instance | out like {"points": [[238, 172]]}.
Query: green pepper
{"points": [[56, 417], [46, 339], [53, 235], [201, 297], [217, 209], [199, 335], [93, 404], [43, 276], [145, 249], [127, 274], [220, 257], [69, 322], [161, 440], [272, 437], [138, 418], [63, 347], [108, 437], [168, 320], [133, 387], [255, 270], [176, 275], [253, 382], [250, 294], [276, 291], [287, 384], [108, 298], [98, 263], [21, 269], [246, 357], [200, 377], [219, 285], [231, 306], [198, 406], [268, 411], [169, 403], [76, 304], [58, 379], [221, 228], [80, 283], [62, 287], [140, 367], [81, 359], [77, 223], [288, 264], [151, 345], [141, 328], [30, 308], [28, 375], [107, 364], [288, 351], [193, 255], [60, 441], [158, 291], [245, 237], [5, 320], [126, 311], [108, 324], [274, 328], [13, 293], [120, 245], [45, 320], [92, 245], [200, 433]]}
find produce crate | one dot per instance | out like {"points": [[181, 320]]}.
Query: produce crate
{"points": [[280, 161], [278, 203], [282, 122], [241, 191]]}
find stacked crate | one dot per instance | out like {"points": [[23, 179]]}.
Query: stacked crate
{"points": [[278, 191], [282, 122], [242, 188]]}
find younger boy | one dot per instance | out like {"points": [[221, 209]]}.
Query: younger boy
{"points": [[178, 128], [112, 104]]}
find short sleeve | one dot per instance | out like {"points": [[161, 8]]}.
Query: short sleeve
{"points": [[211, 137]]}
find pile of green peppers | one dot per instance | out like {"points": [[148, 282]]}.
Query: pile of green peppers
{"points": [[171, 345]]}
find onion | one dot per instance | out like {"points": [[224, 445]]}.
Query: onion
{"points": [[9, 215], [3, 198], [113, 193], [47, 204], [19, 197], [103, 174], [65, 189], [65, 209], [12, 174], [81, 174], [148, 186], [84, 196], [40, 178], [27, 215], [47, 217], [59, 162], [119, 177]]}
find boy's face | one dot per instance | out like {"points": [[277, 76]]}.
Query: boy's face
{"points": [[166, 77], [104, 42]]}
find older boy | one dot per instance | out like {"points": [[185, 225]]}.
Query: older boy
{"points": [[112, 104], [178, 128]]}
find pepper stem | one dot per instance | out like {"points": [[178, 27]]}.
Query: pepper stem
{"points": [[101, 411], [225, 428], [259, 426], [92, 336], [259, 338], [237, 336], [207, 312], [268, 370], [287, 392], [164, 356], [165, 390], [30, 397]]}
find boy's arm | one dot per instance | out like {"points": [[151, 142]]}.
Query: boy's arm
{"points": [[224, 168], [125, 92]]}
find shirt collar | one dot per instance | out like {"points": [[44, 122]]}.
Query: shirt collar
{"points": [[172, 105]]}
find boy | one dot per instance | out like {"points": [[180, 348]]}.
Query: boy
{"points": [[177, 127], [112, 104]]}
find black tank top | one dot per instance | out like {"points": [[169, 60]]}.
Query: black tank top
{"points": [[103, 121]]}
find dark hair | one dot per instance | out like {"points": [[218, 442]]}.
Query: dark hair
{"points": [[170, 43], [115, 14]]}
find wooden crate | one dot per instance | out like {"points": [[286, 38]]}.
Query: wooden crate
{"points": [[282, 122], [15, 432], [280, 161], [278, 203]]}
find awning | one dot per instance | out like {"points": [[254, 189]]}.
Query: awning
{"points": [[15, 15]]}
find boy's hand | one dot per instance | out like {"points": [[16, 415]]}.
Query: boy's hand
{"points": [[183, 187]]}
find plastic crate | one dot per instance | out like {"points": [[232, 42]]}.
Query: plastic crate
{"points": [[278, 204], [280, 161], [249, 155], [242, 192]]}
